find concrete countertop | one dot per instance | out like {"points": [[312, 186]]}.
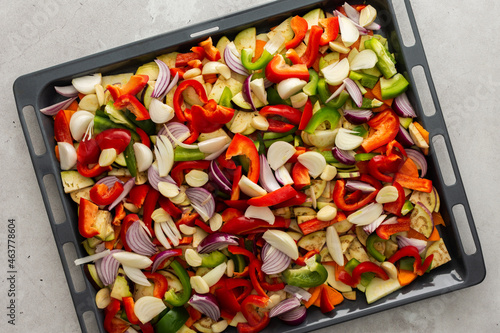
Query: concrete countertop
{"points": [[460, 41]]}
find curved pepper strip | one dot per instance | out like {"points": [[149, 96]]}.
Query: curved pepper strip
{"points": [[379, 165], [177, 172], [276, 197], [95, 171], [169, 207], [241, 145], [88, 151], [160, 284], [87, 213], [149, 206], [210, 117], [256, 276], [363, 267], [387, 230], [331, 115], [312, 50], [312, 275], [339, 193], [332, 28], [129, 304], [298, 200], [179, 99], [134, 85], [246, 59], [370, 247], [292, 114], [306, 115], [179, 299], [411, 251], [116, 138], [239, 250], [299, 26], [248, 309], [131, 103], [278, 70], [211, 52], [386, 126], [396, 206], [111, 323], [101, 195]]}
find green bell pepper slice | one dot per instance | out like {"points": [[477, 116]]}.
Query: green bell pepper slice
{"points": [[366, 80], [311, 275], [182, 154], [212, 259], [246, 59], [173, 320], [147, 125], [371, 103], [288, 138], [331, 115], [226, 97], [364, 156], [276, 135], [328, 155], [366, 278], [407, 264], [273, 98], [311, 88], [351, 265], [393, 87], [385, 63], [179, 299], [324, 93], [130, 159], [370, 247], [407, 207]]}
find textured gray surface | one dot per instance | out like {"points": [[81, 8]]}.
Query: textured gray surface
{"points": [[460, 39]]}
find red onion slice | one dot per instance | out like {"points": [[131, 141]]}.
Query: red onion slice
{"points": [[358, 117], [370, 228], [266, 177], [154, 178], [178, 130], [362, 30], [295, 317], [172, 83], [354, 185], [247, 92], [162, 80], [53, 109], [274, 261], [343, 156], [107, 268], [218, 177], [419, 160], [66, 91], [233, 61], [126, 189], [139, 241], [336, 93], [404, 137], [202, 201], [374, 26], [206, 304], [298, 292], [353, 90], [351, 12], [402, 107], [161, 257], [267, 83], [391, 220], [418, 243], [284, 306], [217, 241], [109, 181]]}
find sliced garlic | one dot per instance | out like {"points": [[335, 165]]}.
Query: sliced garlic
{"points": [[327, 213], [329, 173], [193, 259], [387, 194], [196, 178], [187, 230], [107, 157], [199, 285], [260, 123], [215, 222], [168, 190]]}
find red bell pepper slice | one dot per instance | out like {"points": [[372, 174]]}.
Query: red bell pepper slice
{"points": [[114, 90], [363, 267], [292, 114], [182, 59], [396, 206], [88, 151], [87, 213], [144, 137], [211, 52], [227, 164], [101, 195], [146, 328], [248, 308], [239, 250], [203, 226], [417, 184], [111, 323], [177, 172], [412, 251], [314, 225], [298, 200], [235, 190], [179, 99], [227, 300], [116, 138], [300, 176], [134, 85], [246, 328], [188, 218], [370, 180], [160, 284], [299, 26], [301, 261], [306, 115], [243, 225], [131, 103], [326, 305], [241, 205], [282, 194], [127, 222], [210, 117], [256, 276], [62, 132], [150, 201], [129, 304], [278, 70], [339, 193], [138, 194], [241, 145], [278, 126], [178, 71], [425, 265], [169, 207], [331, 33], [312, 50], [119, 214], [230, 213], [387, 230], [95, 171], [386, 126], [298, 151]]}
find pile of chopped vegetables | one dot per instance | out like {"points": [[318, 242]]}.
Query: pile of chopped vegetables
{"points": [[251, 179]]}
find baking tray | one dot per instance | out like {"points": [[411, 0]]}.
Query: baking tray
{"points": [[36, 90]]}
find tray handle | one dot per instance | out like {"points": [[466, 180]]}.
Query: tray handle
{"points": [[25, 92], [455, 195]]}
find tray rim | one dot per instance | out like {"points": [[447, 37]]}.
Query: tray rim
{"points": [[64, 233]]}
